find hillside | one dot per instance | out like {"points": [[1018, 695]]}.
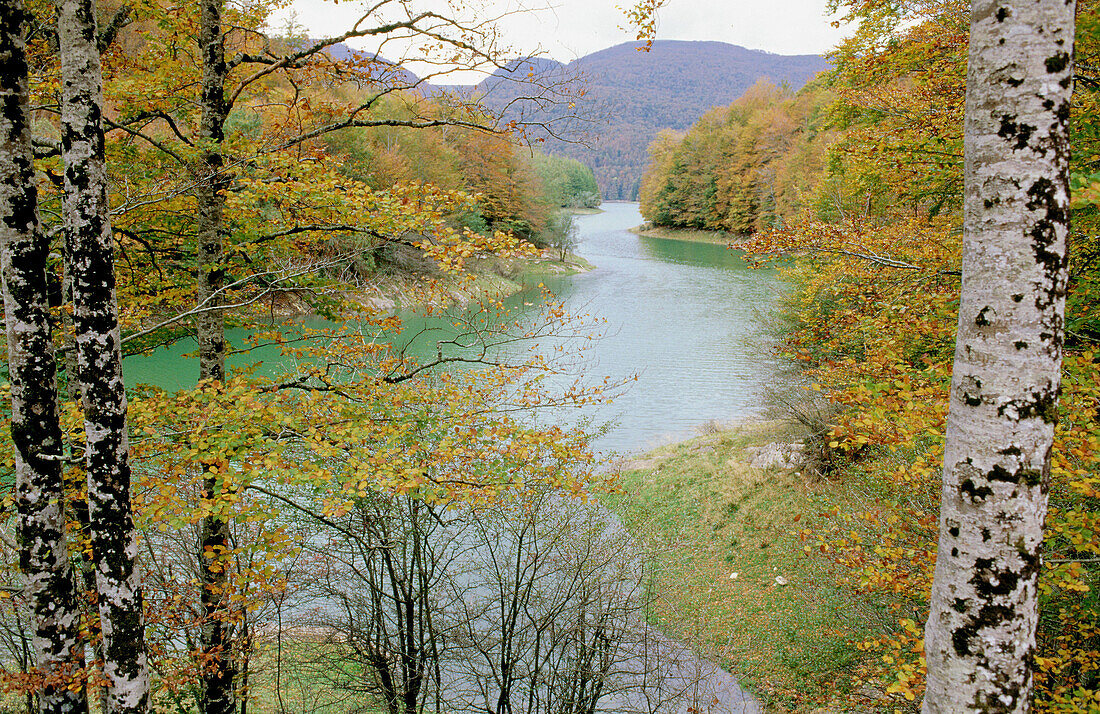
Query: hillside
{"points": [[633, 95]]}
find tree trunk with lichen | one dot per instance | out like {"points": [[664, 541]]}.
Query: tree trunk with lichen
{"points": [[218, 693], [90, 256], [36, 433], [980, 636]]}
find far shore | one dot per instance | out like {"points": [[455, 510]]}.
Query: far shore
{"points": [[493, 279], [687, 235]]}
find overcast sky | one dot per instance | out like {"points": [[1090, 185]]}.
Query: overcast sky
{"points": [[567, 29]]}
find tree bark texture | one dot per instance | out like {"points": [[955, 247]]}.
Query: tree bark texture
{"points": [[218, 694], [980, 636], [36, 433], [212, 184], [99, 361]]}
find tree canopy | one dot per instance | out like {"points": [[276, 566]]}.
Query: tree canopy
{"points": [[875, 223], [254, 180]]}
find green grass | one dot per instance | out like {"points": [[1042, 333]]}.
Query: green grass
{"points": [[307, 680], [705, 514]]}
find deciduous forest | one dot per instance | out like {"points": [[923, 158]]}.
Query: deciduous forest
{"points": [[854, 186], [629, 96], [171, 171], [393, 515]]}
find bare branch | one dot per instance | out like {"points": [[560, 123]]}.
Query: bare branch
{"points": [[295, 59], [156, 114], [137, 134], [45, 148], [122, 17], [207, 305]]}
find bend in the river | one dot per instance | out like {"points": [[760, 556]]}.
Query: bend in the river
{"points": [[683, 316]]}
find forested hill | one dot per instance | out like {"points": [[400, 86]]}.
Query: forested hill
{"points": [[636, 94]]}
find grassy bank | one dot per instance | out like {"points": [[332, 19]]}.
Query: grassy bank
{"points": [[721, 533], [550, 265], [684, 234]]}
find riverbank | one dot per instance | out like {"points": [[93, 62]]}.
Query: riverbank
{"points": [[490, 278], [648, 230], [723, 515]]}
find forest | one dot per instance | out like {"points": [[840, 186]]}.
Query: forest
{"points": [[743, 168], [629, 96], [859, 177], [386, 521], [261, 540]]}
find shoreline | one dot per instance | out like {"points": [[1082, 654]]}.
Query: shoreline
{"points": [[493, 279], [687, 235], [737, 587]]}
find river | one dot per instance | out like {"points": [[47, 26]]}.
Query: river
{"points": [[686, 318], [683, 316]]}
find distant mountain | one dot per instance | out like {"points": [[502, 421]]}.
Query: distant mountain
{"points": [[629, 96], [373, 66], [519, 68], [640, 93]]}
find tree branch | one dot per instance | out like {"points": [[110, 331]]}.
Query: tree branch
{"points": [[122, 17], [156, 114], [205, 306]]}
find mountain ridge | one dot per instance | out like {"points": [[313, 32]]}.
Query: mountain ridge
{"points": [[629, 96], [641, 93]]}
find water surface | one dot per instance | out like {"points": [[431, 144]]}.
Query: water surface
{"points": [[683, 316]]}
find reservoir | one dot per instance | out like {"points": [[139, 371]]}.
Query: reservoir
{"points": [[685, 317]]}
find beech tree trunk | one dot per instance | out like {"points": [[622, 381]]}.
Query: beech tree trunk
{"points": [[980, 636], [36, 433], [218, 677], [212, 184], [99, 361]]}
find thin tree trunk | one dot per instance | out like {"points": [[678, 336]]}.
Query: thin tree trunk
{"points": [[218, 692], [36, 433], [99, 361], [980, 636]]}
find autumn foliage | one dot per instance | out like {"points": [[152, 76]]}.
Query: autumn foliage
{"points": [[859, 176], [743, 168], [871, 326], [337, 171]]}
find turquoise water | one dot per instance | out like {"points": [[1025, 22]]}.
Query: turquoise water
{"points": [[684, 317]]}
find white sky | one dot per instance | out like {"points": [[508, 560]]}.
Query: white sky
{"points": [[567, 29]]}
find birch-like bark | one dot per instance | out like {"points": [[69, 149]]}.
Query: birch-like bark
{"points": [[980, 636], [36, 433], [210, 324], [218, 694], [90, 257]]}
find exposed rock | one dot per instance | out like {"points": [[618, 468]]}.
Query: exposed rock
{"points": [[379, 304], [776, 455]]}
